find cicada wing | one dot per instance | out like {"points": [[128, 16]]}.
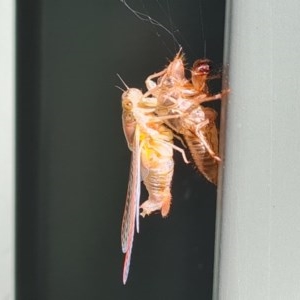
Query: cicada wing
{"points": [[131, 212], [132, 197], [127, 258]]}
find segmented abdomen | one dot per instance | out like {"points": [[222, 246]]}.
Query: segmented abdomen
{"points": [[157, 172], [206, 164]]}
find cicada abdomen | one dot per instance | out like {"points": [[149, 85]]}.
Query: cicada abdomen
{"points": [[157, 171], [203, 146], [200, 133]]}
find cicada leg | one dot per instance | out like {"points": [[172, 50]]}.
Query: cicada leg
{"points": [[204, 141]]}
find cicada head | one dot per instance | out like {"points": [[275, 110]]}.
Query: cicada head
{"points": [[131, 98], [200, 71], [201, 67]]}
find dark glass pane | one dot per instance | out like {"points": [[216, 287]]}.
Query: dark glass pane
{"points": [[73, 161]]}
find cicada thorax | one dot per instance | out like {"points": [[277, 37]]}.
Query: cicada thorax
{"points": [[157, 171]]}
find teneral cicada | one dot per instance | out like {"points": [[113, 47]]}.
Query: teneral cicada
{"points": [[176, 95], [151, 143]]}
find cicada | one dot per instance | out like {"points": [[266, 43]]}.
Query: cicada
{"points": [[151, 143], [176, 95]]}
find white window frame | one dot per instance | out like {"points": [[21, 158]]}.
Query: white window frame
{"points": [[7, 149]]}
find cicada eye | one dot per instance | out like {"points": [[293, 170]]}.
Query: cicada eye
{"points": [[127, 104], [201, 66]]}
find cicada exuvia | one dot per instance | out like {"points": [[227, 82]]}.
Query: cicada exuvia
{"points": [[178, 96]]}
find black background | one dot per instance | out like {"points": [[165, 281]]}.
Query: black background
{"points": [[73, 161]]}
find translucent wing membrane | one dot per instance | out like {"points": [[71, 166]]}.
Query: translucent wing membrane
{"points": [[132, 197], [131, 212]]}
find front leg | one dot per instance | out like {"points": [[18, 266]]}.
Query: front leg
{"points": [[151, 85]]}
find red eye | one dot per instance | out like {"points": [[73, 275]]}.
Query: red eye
{"points": [[204, 68], [201, 67]]}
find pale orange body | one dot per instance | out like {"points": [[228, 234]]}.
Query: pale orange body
{"points": [[151, 143], [181, 98], [155, 142], [157, 171]]}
